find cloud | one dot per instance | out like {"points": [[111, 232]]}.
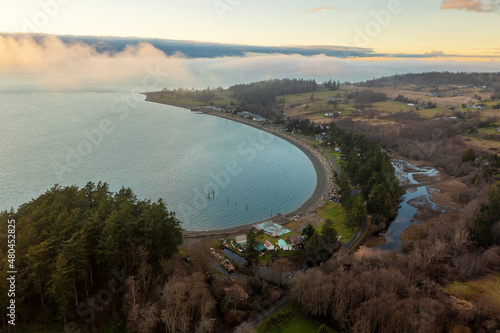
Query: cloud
{"points": [[48, 63], [481, 6], [53, 62], [434, 53], [318, 9]]}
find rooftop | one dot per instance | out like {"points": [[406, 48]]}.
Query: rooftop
{"points": [[272, 229]]}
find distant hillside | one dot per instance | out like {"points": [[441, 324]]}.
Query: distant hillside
{"points": [[491, 80]]}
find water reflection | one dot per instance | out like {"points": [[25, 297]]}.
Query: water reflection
{"points": [[405, 171]]}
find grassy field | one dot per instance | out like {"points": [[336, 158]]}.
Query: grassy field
{"points": [[220, 97], [301, 105], [336, 212], [319, 96], [488, 145], [290, 320], [392, 106], [472, 291]]}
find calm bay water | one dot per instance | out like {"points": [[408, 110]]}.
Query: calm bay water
{"points": [[158, 151]]}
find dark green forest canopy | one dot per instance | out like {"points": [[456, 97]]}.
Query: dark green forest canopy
{"points": [[265, 92], [71, 241], [368, 166]]}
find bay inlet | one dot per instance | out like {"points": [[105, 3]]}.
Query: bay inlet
{"points": [[158, 151]]}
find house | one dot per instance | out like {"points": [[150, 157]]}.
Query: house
{"points": [[271, 228], [259, 247], [297, 242], [284, 245], [241, 239], [269, 246], [236, 293]]}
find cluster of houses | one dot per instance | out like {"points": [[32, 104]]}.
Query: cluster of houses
{"points": [[288, 244], [331, 114], [209, 108], [420, 106], [272, 229], [252, 116]]}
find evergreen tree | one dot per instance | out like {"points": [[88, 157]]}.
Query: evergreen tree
{"points": [[469, 156], [250, 247], [329, 233], [481, 227], [69, 241], [308, 231], [356, 213]]}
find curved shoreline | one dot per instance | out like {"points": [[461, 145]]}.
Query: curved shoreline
{"points": [[324, 179]]}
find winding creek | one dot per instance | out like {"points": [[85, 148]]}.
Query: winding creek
{"points": [[412, 199]]}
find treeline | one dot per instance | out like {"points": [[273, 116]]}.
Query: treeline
{"points": [[205, 95], [437, 78], [76, 246], [368, 167], [265, 92], [403, 99], [485, 228], [433, 140], [367, 96], [331, 85], [304, 126]]}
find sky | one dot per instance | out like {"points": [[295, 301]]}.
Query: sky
{"points": [[409, 36], [461, 27]]}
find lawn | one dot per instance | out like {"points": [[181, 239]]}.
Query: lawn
{"points": [[305, 98], [290, 320], [268, 256], [335, 211], [429, 113], [392, 106], [492, 129], [335, 154], [473, 290], [493, 146]]}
